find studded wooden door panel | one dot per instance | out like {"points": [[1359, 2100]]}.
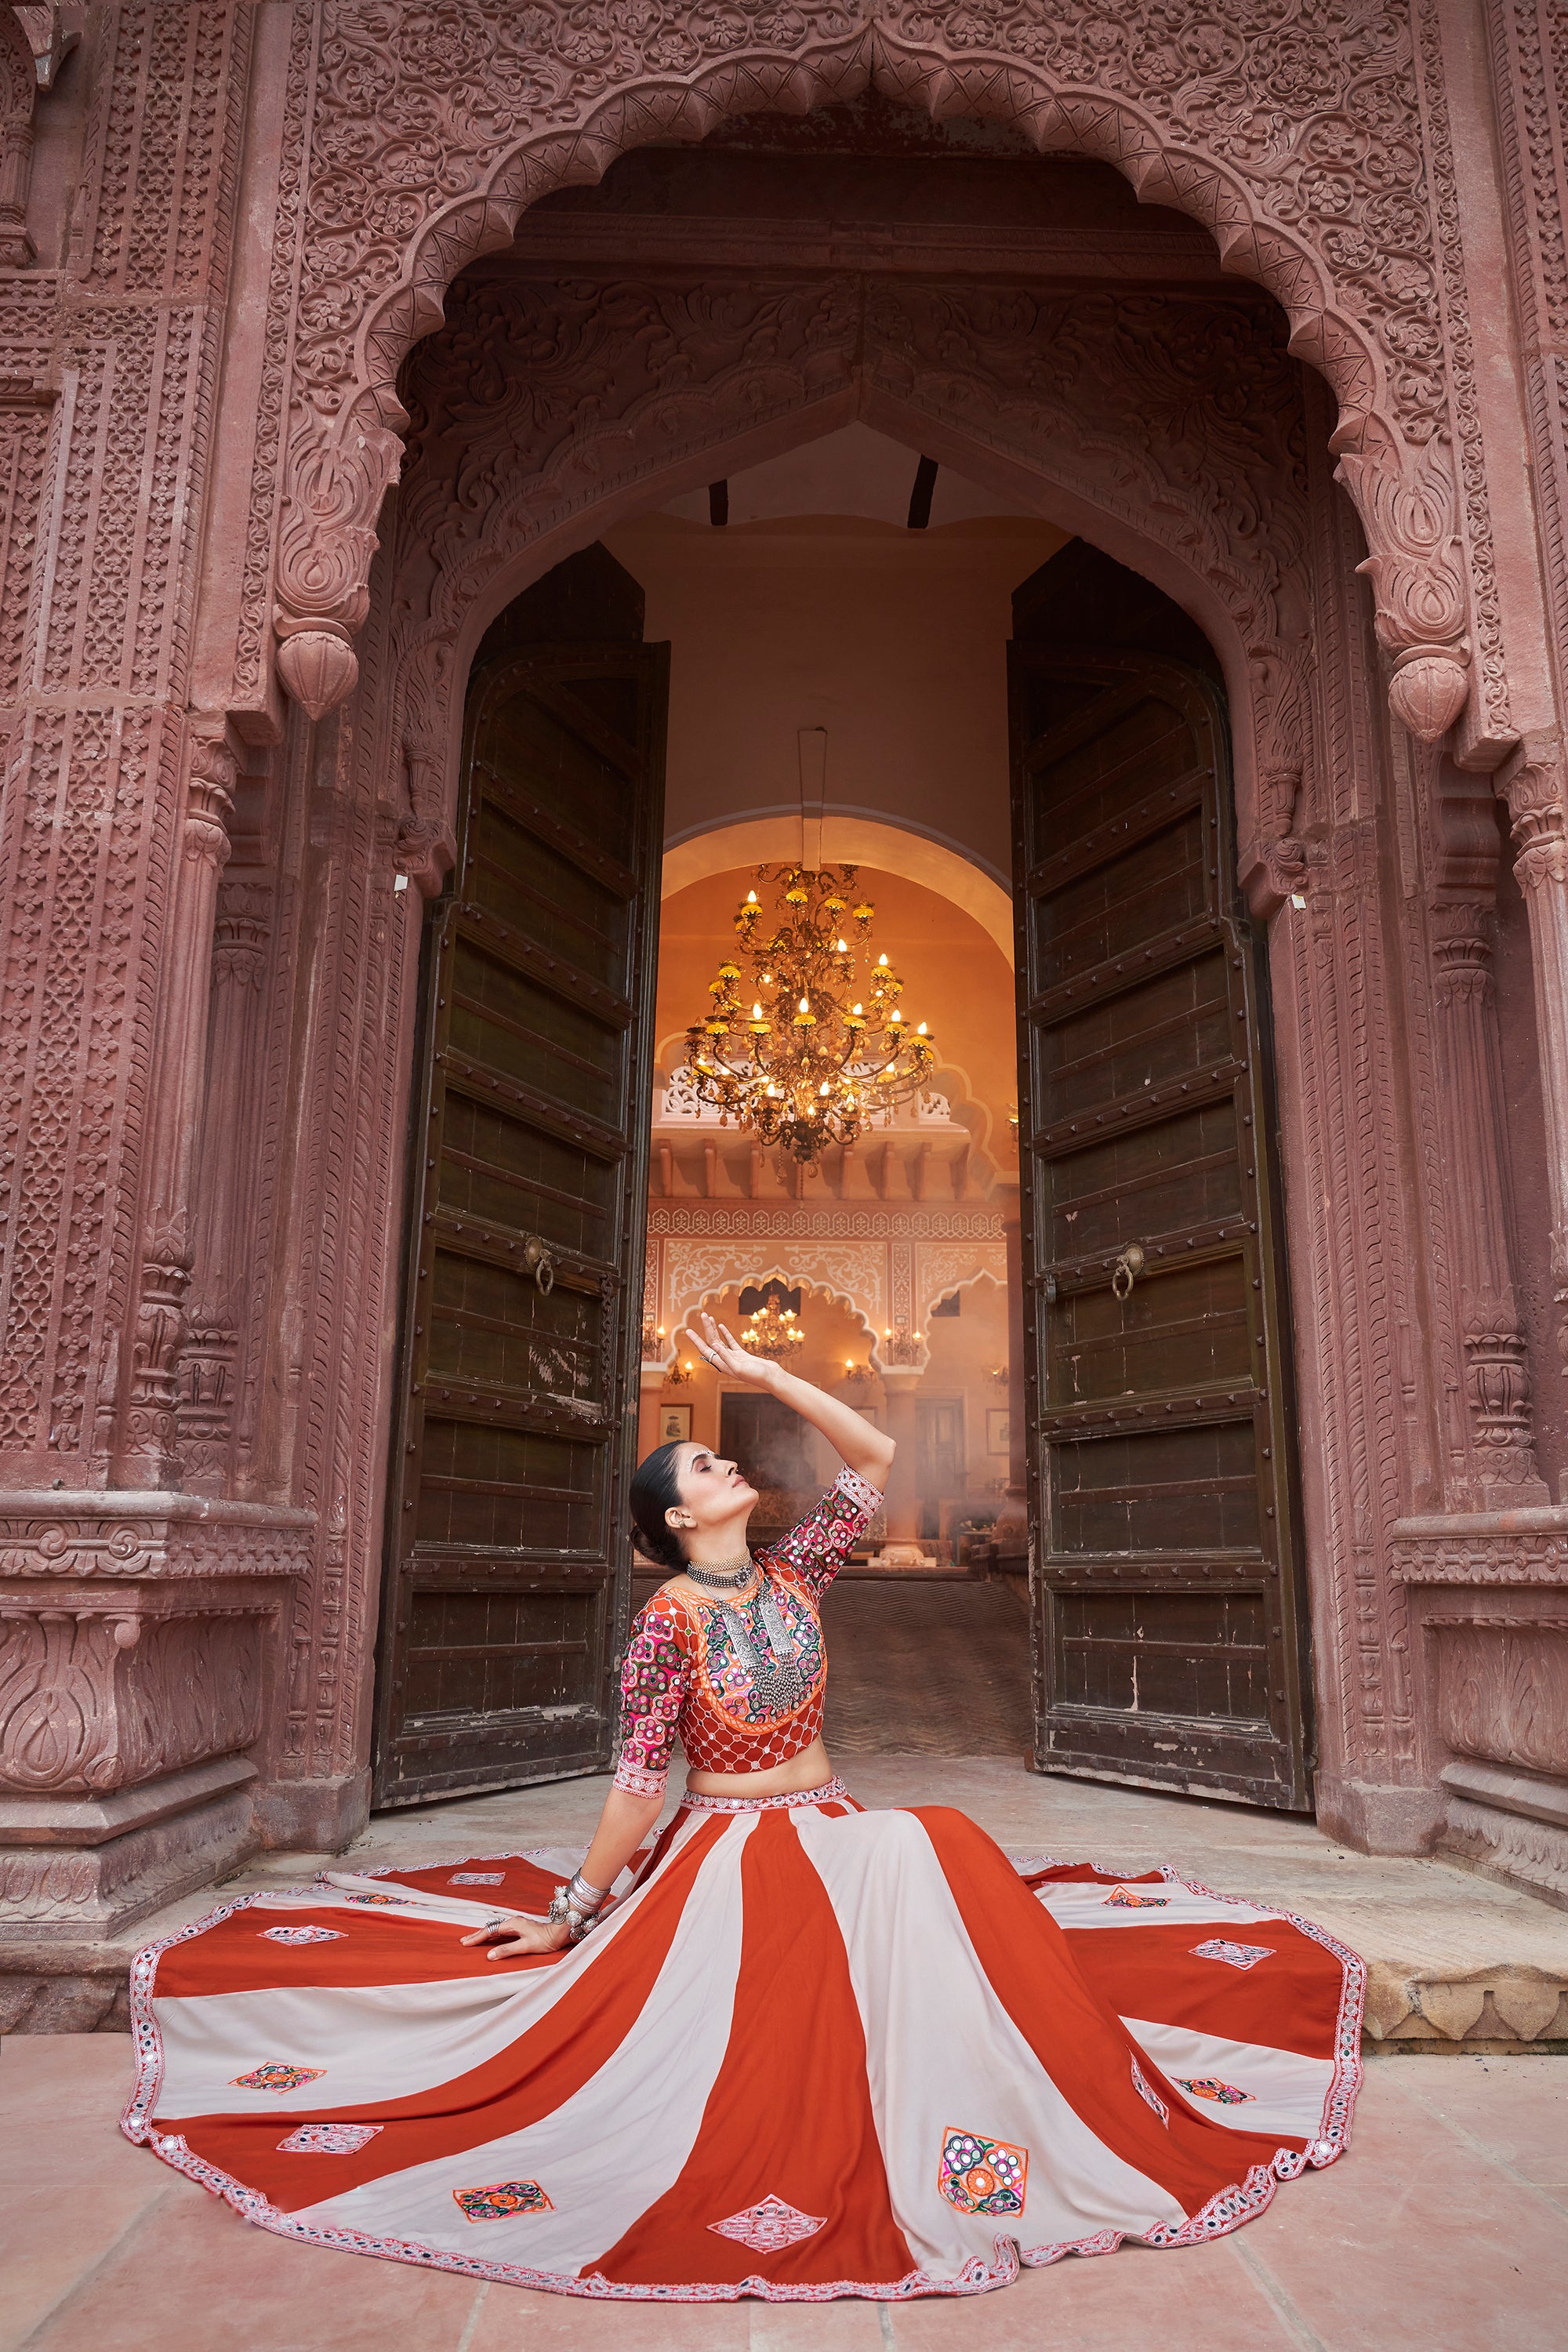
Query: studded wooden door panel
{"points": [[507, 1562], [1161, 1475]]}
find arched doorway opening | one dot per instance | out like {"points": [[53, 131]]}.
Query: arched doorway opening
{"points": [[1164, 1594], [1127, 406]]}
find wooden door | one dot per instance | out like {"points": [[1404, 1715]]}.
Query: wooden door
{"points": [[509, 1562], [1170, 1622]]}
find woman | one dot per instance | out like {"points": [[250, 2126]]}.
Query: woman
{"points": [[805, 2050]]}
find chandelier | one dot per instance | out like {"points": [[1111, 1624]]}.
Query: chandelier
{"points": [[773, 1328], [822, 1050]]}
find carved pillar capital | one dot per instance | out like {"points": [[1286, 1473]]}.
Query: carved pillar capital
{"points": [[1410, 512], [209, 794], [1464, 936], [333, 494]]}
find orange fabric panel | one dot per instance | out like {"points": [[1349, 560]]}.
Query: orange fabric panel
{"points": [[1071, 2026], [237, 1957], [530, 2078], [790, 2115], [1292, 2000]]}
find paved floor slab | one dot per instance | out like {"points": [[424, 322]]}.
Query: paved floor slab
{"points": [[1445, 2228]]}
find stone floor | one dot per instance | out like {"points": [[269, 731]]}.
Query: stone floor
{"points": [[937, 1669], [1445, 2228]]}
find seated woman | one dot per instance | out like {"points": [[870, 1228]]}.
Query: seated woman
{"points": [[805, 2050]]}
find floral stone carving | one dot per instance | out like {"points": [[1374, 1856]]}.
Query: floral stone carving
{"points": [[1297, 136]]}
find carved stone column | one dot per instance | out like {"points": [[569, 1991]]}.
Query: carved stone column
{"points": [[1496, 1374], [1531, 784], [18, 90], [147, 1454], [224, 1188], [902, 1508]]}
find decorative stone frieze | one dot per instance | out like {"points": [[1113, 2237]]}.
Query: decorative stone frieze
{"points": [[1521, 1547], [1316, 152]]}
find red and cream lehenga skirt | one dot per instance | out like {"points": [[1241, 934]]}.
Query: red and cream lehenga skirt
{"points": [[816, 2052]]}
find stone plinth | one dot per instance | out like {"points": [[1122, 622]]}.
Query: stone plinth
{"points": [[136, 1631], [1489, 1596]]}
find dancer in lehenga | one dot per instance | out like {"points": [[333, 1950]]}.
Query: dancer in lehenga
{"points": [[796, 2050]]}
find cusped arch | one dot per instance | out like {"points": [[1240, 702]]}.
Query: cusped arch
{"points": [[1302, 147], [1133, 445], [762, 1264]]}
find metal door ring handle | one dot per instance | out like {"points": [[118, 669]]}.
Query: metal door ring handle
{"points": [[538, 1262], [1127, 1269]]}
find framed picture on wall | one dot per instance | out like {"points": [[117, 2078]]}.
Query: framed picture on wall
{"points": [[675, 1424], [998, 1429]]}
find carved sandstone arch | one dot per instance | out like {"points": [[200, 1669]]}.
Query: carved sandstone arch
{"points": [[1314, 148], [1107, 412]]}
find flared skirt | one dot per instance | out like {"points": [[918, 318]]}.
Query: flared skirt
{"points": [[813, 2052]]}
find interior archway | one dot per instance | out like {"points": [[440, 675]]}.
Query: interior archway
{"points": [[848, 841]]}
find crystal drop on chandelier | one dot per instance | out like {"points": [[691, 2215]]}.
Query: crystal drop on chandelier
{"points": [[813, 1062]]}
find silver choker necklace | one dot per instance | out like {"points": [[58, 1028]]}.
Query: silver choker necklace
{"points": [[729, 1578]]}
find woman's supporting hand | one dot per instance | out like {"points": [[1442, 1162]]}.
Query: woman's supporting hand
{"points": [[524, 1937]]}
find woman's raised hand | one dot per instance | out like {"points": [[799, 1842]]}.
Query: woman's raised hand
{"points": [[524, 1937], [718, 1346]]}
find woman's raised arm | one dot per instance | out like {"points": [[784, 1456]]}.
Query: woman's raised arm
{"points": [[868, 1451]]}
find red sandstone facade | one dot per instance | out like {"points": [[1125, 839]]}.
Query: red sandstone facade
{"points": [[242, 246]]}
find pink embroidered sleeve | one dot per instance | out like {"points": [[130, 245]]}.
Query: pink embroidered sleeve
{"points": [[655, 1678], [817, 1550]]}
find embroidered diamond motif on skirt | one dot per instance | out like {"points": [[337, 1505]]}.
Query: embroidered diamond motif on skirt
{"points": [[371, 1898], [1240, 1956], [501, 2200], [769, 2226], [1209, 2086], [982, 2176], [477, 1878], [276, 2076], [1150, 2096], [328, 2139], [304, 1935], [1128, 1898]]}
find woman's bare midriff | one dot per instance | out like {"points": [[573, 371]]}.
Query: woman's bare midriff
{"points": [[809, 1769]]}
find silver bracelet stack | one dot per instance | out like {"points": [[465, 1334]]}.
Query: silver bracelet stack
{"points": [[579, 1905]]}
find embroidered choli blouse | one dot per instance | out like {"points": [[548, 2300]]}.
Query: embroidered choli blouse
{"points": [[681, 1675]]}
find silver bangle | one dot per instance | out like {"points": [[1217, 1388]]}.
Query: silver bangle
{"points": [[564, 1911], [584, 1897]]}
